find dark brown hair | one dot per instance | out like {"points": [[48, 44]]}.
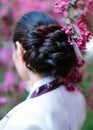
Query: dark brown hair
{"points": [[47, 48]]}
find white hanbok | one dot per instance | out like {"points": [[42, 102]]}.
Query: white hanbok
{"points": [[58, 109]]}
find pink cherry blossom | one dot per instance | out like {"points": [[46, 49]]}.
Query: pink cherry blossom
{"points": [[6, 56], [85, 34], [61, 6], [3, 101], [9, 77]]}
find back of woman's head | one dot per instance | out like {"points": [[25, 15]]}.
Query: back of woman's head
{"points": [[47, 50]]}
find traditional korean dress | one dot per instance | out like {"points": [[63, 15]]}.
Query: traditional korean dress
{"points": [[49, 106]]}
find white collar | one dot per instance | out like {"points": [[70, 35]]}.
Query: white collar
{"points": [[40, 83]]}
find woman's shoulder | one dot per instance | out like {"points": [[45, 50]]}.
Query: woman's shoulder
{"points": [[21, 116], [22, 108], [73, 98], [75, 105], [74, 94]]}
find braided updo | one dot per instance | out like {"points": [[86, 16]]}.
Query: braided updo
{"points": [[47, 48]]}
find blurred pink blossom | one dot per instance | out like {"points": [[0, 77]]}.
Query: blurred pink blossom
{"points": [[3, 101], [5, 1], [80, 62], [9, 81], [9, 77], [5, 55], [4, 87]]}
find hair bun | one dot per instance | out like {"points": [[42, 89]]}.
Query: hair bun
{"points": [[44, 30], [53, 55]]}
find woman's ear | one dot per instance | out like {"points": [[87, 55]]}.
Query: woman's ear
{"points": [[20, 51]]}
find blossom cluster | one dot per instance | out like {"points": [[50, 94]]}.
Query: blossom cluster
{"points": [[62, 7], [84, 34], [74, 25], [71, 13]]}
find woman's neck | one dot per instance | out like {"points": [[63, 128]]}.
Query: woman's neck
{"points": [[37, 81], [33, 78]]}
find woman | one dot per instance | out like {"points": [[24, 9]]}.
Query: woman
{"points": [[43, 56]]}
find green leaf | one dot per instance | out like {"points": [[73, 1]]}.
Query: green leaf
{"points": [[0, 4], [77, 16], [1, 75], [67, 20], [73, 2], [76, 35], [70, 10]]}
